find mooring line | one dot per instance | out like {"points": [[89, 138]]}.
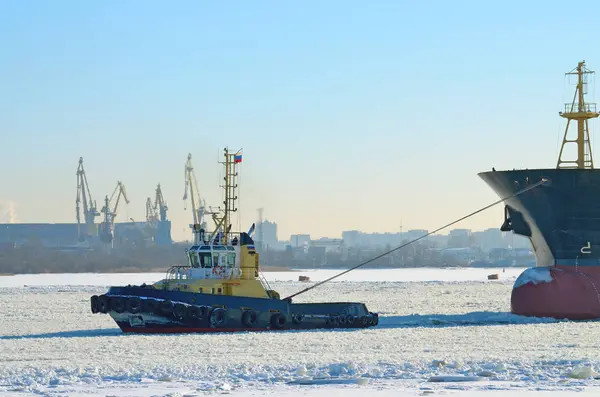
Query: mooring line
{"points": [[518, 193]]}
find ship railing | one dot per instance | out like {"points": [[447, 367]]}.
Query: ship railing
{"points": [[574, 108], [179, 273], [219, 238], [216, 273], [176, 273], [262, 279], [231, 273]]}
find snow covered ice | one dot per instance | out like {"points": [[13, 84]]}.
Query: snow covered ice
{"points": [[441, 331], [534, 275]]}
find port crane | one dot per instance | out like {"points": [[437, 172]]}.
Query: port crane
{"points": [[151, 215], [90, 211], [198, 204], [156, 211], [107, 227], [160, 204], [156, 218]]}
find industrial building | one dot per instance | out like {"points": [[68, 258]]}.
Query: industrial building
{"points": [[86, 232], [64, 235]]}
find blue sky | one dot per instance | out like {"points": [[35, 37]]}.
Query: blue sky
{"points": [[352, 115]]}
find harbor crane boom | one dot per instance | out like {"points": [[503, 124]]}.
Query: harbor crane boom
{"points": [[107, 227], [156, 218], [160, 205], [191, 185], [151, 216], [84, 197]]}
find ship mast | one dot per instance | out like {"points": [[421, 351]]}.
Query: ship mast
{"points": [[580, 111], [230, 186]]}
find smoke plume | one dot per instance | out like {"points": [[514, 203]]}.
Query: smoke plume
{"points": [[8, 212]]}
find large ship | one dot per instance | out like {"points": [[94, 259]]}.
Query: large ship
{"points": [[221, 289], [561, 217]]}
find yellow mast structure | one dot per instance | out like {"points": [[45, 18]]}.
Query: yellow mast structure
{"points": [[580, 111], [230, 186]]}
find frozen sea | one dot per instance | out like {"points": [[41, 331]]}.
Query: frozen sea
{"points": [[442, 332]]}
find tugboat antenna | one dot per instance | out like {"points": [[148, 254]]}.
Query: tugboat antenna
{"points": [[230, 186], [528, 188], [580, 111]]}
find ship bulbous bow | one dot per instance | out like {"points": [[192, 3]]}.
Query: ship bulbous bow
{"points": [[557, 292]]}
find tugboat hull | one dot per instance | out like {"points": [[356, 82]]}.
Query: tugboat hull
{"points": [[149, 310]]}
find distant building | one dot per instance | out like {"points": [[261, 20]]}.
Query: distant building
{"points": [[39, 234], [489, 239], [513, 240], [299, 240], [328, 244], [351, 238], [438, 240], [358, 239], [268, 231], [53, 235], [459, 238], [414, 234]]}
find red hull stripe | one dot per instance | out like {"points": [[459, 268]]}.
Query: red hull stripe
{"points": [[186, 330]]}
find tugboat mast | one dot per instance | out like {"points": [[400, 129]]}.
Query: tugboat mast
{"points": [[581, 112], [230, 186]]}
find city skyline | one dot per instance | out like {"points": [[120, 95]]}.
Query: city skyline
{"points": [[6, 212], [347, 118]]}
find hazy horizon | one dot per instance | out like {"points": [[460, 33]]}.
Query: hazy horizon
{"points": [[350, 115]]}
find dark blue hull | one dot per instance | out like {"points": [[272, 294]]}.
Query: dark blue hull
{"points": [[561, 218], [148, 310]]}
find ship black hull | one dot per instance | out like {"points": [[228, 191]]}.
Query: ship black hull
{"points": [[562, 220], [148, 310]]}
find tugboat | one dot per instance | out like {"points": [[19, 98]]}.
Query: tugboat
{"points": [[221, 289], [562, 219]]}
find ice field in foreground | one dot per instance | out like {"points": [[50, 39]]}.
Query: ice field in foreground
{"points": [[442, 331]]}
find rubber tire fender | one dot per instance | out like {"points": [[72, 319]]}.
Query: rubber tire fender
{"points": [[197, 312], [180, 311], [150, 306], [278, 321], [375, 319], [103, 304], [193, 313], [333, 321], [298, 318], [94, 304], [350, 319], [218, 317], [166, 308], [117, 304], [204, 311], [134, 305], [249, 318]]}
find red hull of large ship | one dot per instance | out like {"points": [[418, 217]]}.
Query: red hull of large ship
{"points": [[563, 292]]}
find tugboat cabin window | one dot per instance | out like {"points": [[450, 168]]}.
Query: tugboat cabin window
{"points": [[230, 259], [205, 259], [194, 259], [222, 259]]}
